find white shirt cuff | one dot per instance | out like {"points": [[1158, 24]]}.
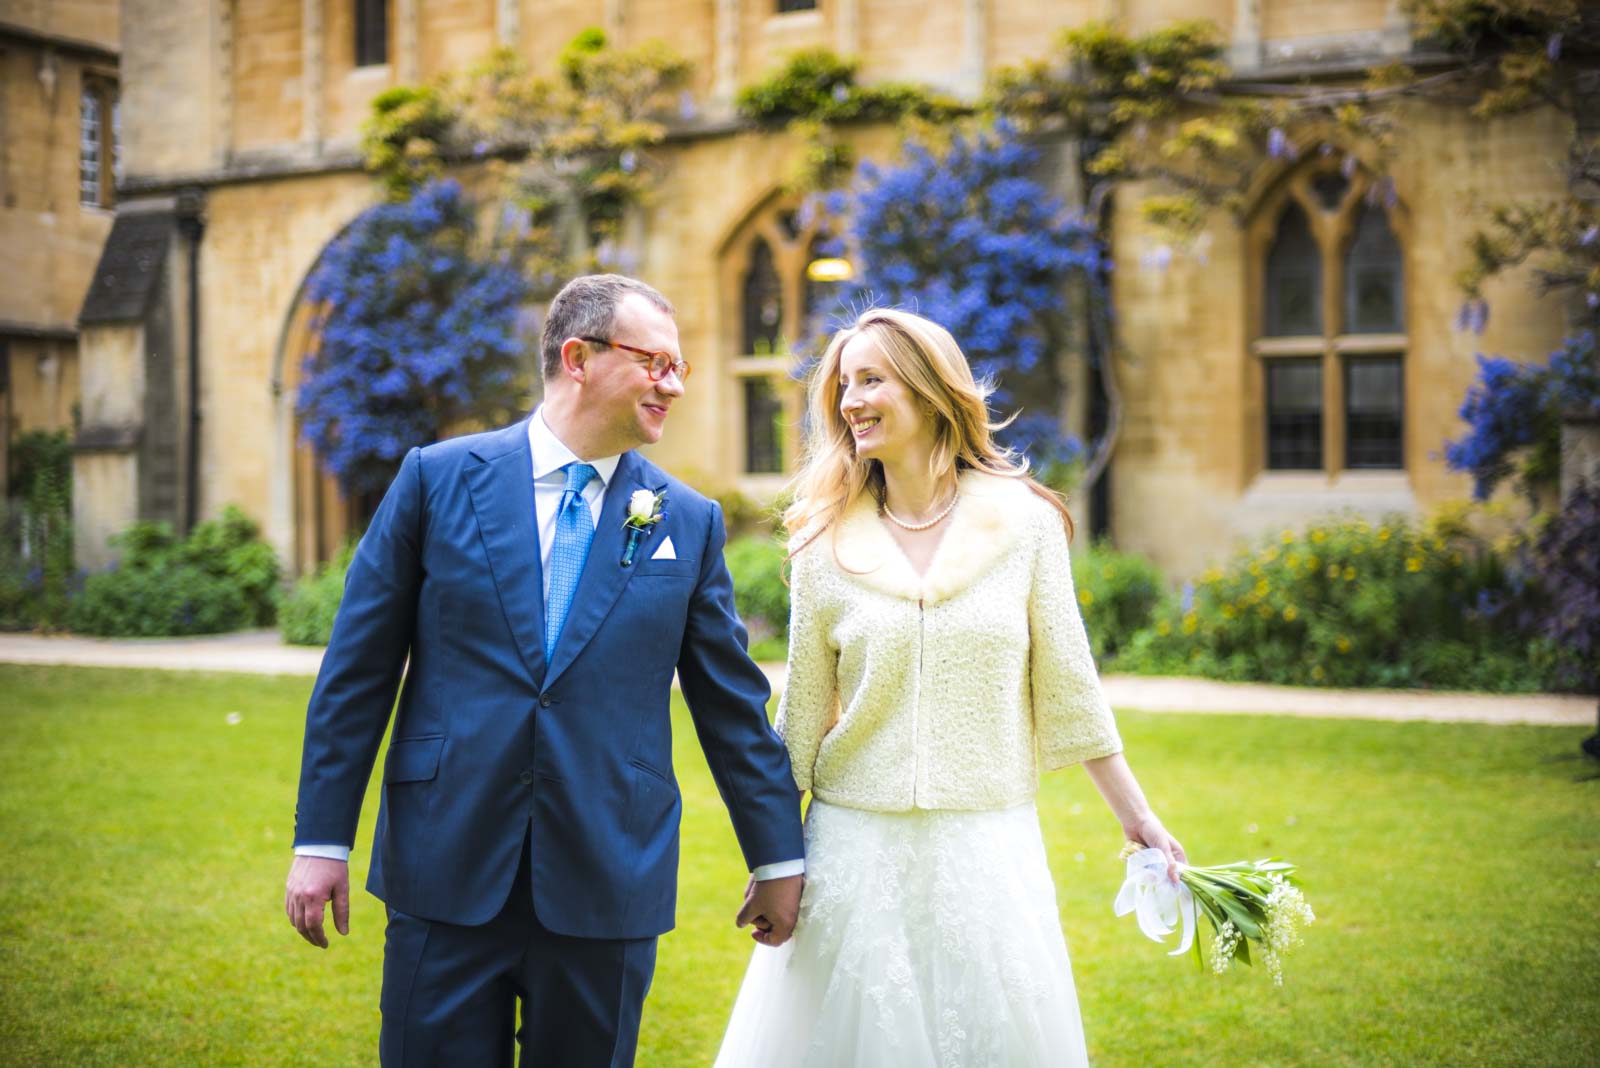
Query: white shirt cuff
{"points": [[781, 870], [328, 852]]}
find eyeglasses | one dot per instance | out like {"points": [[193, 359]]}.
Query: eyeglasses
{"points": [[657, 364]]}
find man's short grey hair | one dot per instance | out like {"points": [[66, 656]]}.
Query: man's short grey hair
{"points": [[587, 307]]}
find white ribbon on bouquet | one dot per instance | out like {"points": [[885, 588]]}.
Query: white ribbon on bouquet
{"points": [[1161, 905]]}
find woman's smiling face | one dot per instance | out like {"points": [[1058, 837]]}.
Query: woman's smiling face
{"points": [[884, 417]]}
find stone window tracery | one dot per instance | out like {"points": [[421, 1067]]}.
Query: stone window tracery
{"points": [[1331, 330]]}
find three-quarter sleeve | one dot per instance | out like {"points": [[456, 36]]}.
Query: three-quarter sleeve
{"points": [[810, 703], [1071, 718]]}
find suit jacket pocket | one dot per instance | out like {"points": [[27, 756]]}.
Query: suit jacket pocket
{"points": [[413, 759], [654, 772]]}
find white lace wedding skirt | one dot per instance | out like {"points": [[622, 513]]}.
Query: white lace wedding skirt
{"points": [[925, 938]]}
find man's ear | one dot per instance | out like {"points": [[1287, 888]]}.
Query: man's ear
{"points": [[574, 359]]}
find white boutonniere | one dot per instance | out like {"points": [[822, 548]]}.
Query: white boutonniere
{"points": [[646, 508]]}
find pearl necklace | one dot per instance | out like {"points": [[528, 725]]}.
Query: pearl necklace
{"points": [[914, 527]]}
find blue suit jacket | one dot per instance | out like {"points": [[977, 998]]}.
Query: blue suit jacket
{"points": [[491, 743]]}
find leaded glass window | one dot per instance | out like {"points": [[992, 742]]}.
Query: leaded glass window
{"points": [[763, 426], [89, 147], [1294, 278], [763, 303], [1373, 290], [1294, 414], [1374, 406], [372, 33]]}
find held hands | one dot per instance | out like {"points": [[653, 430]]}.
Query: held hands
{"points": [[312, 881], [773, 906], [1149, 832]]}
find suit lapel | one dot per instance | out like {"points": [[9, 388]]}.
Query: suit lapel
{"points": [[502, 498], [603, 574]]}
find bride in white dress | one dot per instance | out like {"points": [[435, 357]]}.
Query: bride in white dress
{"points": [[936, 660]]}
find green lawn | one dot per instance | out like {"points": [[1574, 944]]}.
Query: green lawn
{"points": [[1455, 871]]}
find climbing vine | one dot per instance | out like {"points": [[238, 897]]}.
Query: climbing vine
{"points": [[816, 92]]}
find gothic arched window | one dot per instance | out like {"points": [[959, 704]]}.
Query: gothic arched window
{"points": [[763, 303], [1294, 278], [773, 306], [1332, 330], [1372, 290]]}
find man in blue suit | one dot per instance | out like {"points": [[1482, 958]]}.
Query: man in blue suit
{"points": [[527, 839]]}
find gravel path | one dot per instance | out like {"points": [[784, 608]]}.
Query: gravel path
{"points": [[263, 653]]}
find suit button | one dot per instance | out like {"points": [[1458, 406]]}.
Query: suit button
{"points": [[545, 700], [526, 778]]}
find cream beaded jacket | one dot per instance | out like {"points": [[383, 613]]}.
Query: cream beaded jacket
{"points": [[945, 690]]}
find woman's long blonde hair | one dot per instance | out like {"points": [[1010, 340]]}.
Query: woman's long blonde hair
{"points": [[927, 359]]}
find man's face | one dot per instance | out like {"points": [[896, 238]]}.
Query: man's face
{"points": [[627, 409]]}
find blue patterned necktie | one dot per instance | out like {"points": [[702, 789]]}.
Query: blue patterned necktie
{"points": [[568, 551]]}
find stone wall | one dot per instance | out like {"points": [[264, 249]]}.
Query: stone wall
{"points": [[50, 240], [1188, 480], [230, 85]]}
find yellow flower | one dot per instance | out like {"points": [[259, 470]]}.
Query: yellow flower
{"points": [[1270, 555], [1342, 644], [1319, 536], [1163, 628], [1383, 535], [1228, 612], [1293, 560], [1190, 623], [1290, 612], [1085, 598], [1413, 563], [1262, 588], [1317, 672], [1287, 536], [1349, 573], [1333, 571], [1255, 569]]}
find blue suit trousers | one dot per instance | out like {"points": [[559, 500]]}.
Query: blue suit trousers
{"points": [[451, 993]]}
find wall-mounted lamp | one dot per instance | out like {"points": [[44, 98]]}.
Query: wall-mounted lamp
{"points": [[830, 269]]}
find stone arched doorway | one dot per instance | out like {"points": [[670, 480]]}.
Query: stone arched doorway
{"points": [[320, 517]]}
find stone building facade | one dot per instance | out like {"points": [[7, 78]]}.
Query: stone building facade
{"points": [[1301, 362], [58, 158]]}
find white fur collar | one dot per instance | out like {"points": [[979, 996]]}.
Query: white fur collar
{"points": [[987, 521]]}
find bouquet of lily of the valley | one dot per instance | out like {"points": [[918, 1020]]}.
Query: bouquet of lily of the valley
{"points": [[1249, 901]]}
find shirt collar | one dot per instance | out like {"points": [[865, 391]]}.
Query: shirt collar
{"points": [[551, 455]]}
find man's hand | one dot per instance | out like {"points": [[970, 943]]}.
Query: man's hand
{"points": [[312, 881], [773, 905]]}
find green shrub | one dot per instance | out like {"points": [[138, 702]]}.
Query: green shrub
{"points": [[1117, 592], [36, 561], [1349, 603], [168, 598], [306, 617], [759, 593], [220, 578], [230, 547]]}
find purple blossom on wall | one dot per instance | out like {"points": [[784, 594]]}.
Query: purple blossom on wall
{"points": [[966, 236], [415, 331], [1512, 407]]}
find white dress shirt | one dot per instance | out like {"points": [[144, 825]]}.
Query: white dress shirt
{"points": [[550, 456]]}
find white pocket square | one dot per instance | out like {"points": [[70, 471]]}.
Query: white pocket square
{"points": [[665, 551]]}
